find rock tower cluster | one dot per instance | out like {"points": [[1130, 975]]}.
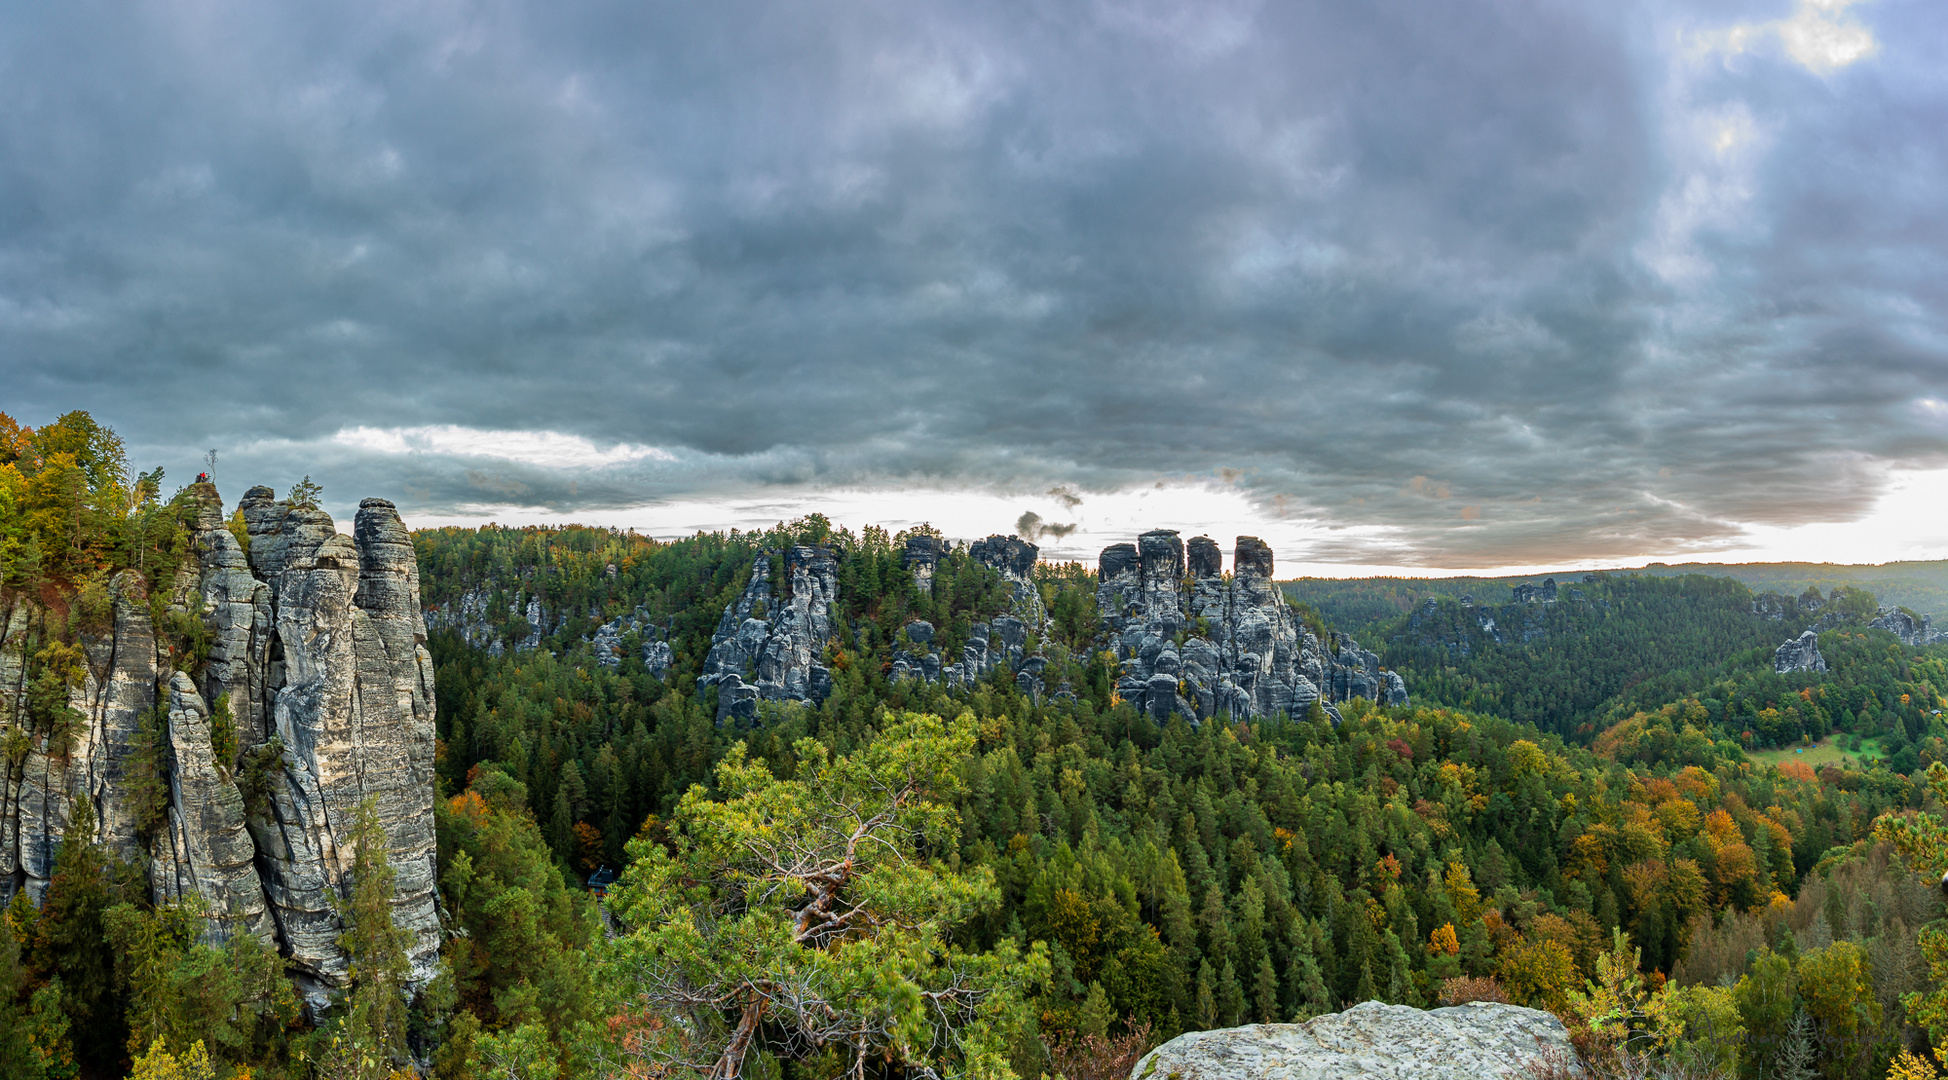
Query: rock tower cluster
{"points": [[1187, 638], [1191, 641], [769, 643], [1002, 642], [317, 653]]}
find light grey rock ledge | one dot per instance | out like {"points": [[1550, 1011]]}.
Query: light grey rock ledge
{"points": [[1477, 1041]]}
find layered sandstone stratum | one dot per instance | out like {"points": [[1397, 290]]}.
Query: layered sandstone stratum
{"points": [[318, 650]]}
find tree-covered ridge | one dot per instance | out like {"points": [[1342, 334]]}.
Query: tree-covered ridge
{"points": [[1874, 688], [1605, 643], [1362, 605], [584, 577], [1919, 585]]}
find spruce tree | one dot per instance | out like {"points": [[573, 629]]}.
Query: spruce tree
{"points": [[1265, 994], [370, 1034], [1207, 1010], [1230, 997]]}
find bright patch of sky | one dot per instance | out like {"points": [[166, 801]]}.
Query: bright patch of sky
{"points": [[548, 449]]}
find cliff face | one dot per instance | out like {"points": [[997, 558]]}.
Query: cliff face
{"points": [[317, 652]]}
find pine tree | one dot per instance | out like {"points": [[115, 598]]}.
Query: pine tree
{"points": [[70, 939], [1795, 1061], [1230, 997], [1265, 994], [1207, 1010], [1364, 990], [1400, 978], [1095, 1016], [1314, 998]]}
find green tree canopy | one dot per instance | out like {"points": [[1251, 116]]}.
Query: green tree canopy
{"points": [[814, 917]]}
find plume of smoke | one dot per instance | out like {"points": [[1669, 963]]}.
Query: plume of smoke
{"points": [[1030, 526]]}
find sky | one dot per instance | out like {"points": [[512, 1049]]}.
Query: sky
{"points": [[1398, 287]]}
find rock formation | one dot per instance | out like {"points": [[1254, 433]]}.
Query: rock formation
{"points": [[1193, 642], [1799, 654], [1544, 593], [1477, 1041], [767, 645], [1189, 639], [920, 556], [317, 657], [1903, 625]]}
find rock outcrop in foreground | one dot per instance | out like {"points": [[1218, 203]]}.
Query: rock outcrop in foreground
{"points": [[1477, 1041], [317, 653]]}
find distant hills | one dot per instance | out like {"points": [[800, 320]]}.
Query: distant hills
{"points": [[1359, 605], [1574, 653], [1919, 586]]}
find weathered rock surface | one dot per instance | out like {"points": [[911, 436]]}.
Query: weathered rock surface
{"points": [[1195, 644], [920, 556], [1242, 650], [770, 641], [86, 759], [1904, 626], [1544, 593], [318, 657], [1799, 654], [205, 851], [1477, 1041]]}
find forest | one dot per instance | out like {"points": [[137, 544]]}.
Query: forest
{"points": [[1542, 826]]}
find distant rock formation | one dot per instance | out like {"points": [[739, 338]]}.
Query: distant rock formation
{"points": [[1190, 641], [1477, 1041], [769, 643], [1544, 593], [318, 654], [1903, 625], [920, 556], [1799, 654], [999, 643]]}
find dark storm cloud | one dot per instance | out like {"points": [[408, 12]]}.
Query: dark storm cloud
{"points": [[1523, 281]]}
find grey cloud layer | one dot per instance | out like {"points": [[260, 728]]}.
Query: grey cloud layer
{"points": [[1482, 272]]}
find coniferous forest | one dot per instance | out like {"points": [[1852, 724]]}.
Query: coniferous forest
{"points": [[1626, 817]]}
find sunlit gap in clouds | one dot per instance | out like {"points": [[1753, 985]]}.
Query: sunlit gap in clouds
{"points": [[547, 449]]}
